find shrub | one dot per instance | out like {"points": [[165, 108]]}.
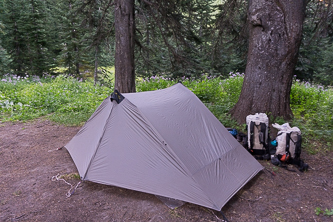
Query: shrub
{"points": [[312, 107], [70, 101], [33, 97]]}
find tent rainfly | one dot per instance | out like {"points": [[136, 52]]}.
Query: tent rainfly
{"points": [[163, 142]]}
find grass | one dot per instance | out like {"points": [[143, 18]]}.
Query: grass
{"points": [[325, 212], [70, 176], [71, 101]]}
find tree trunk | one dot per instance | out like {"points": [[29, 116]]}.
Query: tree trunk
{"points": [[96, 65], [124, 58], [77, 63], [275, 33]]}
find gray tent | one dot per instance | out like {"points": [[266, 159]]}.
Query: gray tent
{"points": [[163, 142]]}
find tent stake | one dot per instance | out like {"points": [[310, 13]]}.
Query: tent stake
{"points": [[224, 217]]}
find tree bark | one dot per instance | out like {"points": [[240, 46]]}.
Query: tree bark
{"points": [[275, 33], [124, 58], [96, 65]]}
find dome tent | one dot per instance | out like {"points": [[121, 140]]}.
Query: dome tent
{"points": [[163, 142]]}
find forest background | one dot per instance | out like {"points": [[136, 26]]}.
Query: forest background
{"points": [[188, 39], [202, 43]]}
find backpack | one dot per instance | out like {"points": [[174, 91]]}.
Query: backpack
{"points": [[289, 145], [258, 137]]}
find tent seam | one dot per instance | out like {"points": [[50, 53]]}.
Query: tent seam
{"points": [[174, 156], [99, 142]]}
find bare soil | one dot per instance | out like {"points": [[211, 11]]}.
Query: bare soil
{"points": [[27, 192]]}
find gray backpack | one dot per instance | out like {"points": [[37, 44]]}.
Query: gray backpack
{"points": [[288, 147], [289, 141], [257, 131]]}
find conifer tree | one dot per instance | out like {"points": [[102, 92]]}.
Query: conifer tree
{"points": [[70, 32], [26, 36], [39, 52], [98, 20], [13, 40]]}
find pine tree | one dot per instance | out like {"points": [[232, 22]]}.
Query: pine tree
{"points": [[39, 52], [71, 56], [4, 57], [98, 20], [175, 38], [26, 37], [13, 40]]}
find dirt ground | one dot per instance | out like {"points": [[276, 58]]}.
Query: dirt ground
{"points": [[27, 192]]}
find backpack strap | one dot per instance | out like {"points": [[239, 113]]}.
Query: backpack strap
{"points": [[263, 131], [298, 144], [287, 142], [298, 147], [297, 160], [251, 135]]}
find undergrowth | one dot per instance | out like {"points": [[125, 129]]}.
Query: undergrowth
{"points": [[70, 101], [312, 107]]}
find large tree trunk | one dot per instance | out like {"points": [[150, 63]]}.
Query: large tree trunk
{"points": [[275, 33], [124, 59]]}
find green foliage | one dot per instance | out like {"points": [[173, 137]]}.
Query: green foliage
{"points": [[70, 176], [106, 77], [327, 212], [26, 37], [232, 88], [70, 101], [315, 54], [4, 60], [312, 106], [36, 36], [172, 39], [153, 83], [226, 96], [230, 37], [323, 74], [71, 55], [4, 57], [189, 39]]}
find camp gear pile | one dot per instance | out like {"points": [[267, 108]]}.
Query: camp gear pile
{"points": [[284, 149]]}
